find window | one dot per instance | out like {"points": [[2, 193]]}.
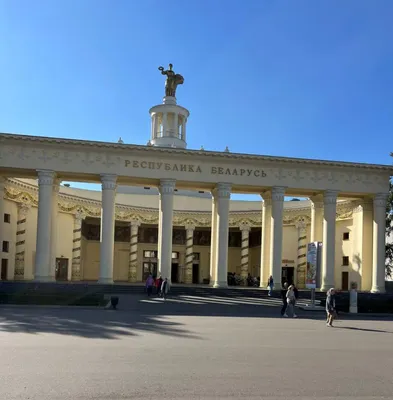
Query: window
{"points": [[7, 218], [150, 254], [345, 260], [175, 255], [6, 246], [196, 256], [346, 236]]}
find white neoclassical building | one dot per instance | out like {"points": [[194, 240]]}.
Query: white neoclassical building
{"points": [[164, 209]]}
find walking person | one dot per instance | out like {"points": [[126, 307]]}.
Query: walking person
{"points": [[270, 285], [284, 299], [330, 306], [158, 285], [149, 285], [291, 300], [164, 288]]}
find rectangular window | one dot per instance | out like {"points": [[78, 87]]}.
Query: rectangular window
{"points": [[6, 246], [175, 255], [345, 260], [150, 254], [7, 218], [346, 236]]}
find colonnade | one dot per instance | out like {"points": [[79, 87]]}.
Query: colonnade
{"points": [[323, 226]]}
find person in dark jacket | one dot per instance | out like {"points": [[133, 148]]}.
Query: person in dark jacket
{"points": [[330, 306], [284, 299]]}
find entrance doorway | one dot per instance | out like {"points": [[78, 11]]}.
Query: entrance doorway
{"points": [[287, 275], [175, 273], [195, 273], [344, 281], [61, 269], [149, 268], [4, 269]]}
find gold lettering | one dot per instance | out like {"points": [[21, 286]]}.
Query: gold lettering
{"points": [[213, 170], [144, 164], [256, 172], [175, 167], [167, 167], [190, 168], [127, 163], [220, 171], [135, 164], [198, 169], [151, 165]]}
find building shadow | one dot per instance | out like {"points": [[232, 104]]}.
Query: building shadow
{"points": [[351, 328], [88, 323]]}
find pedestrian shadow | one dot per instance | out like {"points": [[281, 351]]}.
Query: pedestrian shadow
{"points": [[352, 328], [95, 323]]}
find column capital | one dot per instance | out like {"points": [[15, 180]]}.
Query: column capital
{"points": [[2, 182], [46, 177], [190, 227], [167, 186], [79, 216], [380, 199], [316, 201], [222, 190], [23, 209], [108, 181], [330, 197], [245, 227], [135, 223], [278, 193], [56, 185], [301, 224]]}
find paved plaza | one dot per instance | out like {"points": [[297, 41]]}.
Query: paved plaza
{"points": [[192, 348]]}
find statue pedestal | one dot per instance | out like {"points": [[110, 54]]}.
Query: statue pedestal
{"points": [[170, 100]]}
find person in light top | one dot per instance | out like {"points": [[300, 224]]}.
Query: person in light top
{"points": [[291, 300]]}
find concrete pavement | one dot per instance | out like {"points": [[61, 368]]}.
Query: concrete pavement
{"points": [[191, 348]]}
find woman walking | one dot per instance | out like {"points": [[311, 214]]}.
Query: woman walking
{"points": [[291, 300], [330, 306], [270, 285]]}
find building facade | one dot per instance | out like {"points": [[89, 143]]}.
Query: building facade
{"points": [[167, 210]]}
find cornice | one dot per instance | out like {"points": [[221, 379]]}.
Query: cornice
{"points": [[197, 153], [22, 192]]}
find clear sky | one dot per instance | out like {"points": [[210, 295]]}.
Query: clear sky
{"points": [[294, 78]]}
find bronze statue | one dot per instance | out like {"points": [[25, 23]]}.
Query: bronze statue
{"points": [[172, 80]]}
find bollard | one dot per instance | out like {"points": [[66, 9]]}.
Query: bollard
{"points": [[353, 299]]}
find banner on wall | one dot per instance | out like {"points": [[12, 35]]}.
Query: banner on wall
{"points": [[313, 265]]}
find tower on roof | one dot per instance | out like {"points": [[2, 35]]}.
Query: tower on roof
{"points": [[169, 120]]}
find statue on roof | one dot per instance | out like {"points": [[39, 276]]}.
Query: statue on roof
{"points": [[172, 80]]}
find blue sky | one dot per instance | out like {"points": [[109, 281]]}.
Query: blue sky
{"points": [[291, 78]]}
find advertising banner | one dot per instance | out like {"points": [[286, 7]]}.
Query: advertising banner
{"points": [[312, 265]]}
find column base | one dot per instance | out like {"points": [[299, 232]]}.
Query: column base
{"points": [[44, 279], [378, 290], [107, 281], [220, 285]]}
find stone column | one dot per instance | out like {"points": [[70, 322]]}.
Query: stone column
{"points": [[213, 240], [245, 230], [265, 238], [2, 185], [107, 228], [164, 124], [329, 239], [223, 193], [165, 228], [43, 245], [176, 124], [184, 129], [301, 252], [23, 209], [379, 243], [133, 257], [316, 218], [276, 234], [76, 247], [190, 228], [54, 233]]}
